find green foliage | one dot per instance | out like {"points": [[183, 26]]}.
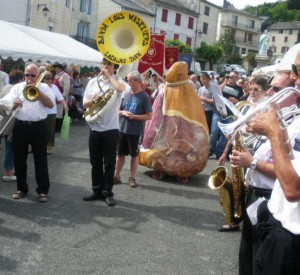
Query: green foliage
{"points": [[235, 59], [182, 48], [281, 11], [227, 43], [251, 59], [212, 54]]}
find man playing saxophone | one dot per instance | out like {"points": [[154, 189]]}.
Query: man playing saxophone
{"points": [[104, 132], [260, 177]]}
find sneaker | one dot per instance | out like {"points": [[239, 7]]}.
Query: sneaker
{"points": [[9, 178], [132, 182], [117, 180]]}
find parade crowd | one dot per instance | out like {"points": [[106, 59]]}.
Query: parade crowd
{"points": [[134, 120]]}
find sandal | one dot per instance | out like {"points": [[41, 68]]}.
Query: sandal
{"points": [[43, 198], [117, 180], [229, 228], [132, 182], [18, 195]]}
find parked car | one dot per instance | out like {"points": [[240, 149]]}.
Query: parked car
{"points": [[238, 68], [211, 73]]}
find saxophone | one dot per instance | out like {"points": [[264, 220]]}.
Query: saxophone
{"points": [[232, 190]]}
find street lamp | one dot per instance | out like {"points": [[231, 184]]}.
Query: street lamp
{"points": [[45, 10]]}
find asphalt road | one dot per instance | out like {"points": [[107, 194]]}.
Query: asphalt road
{"points": [[161, 227]]}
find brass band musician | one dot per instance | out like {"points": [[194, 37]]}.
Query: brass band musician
{"points": [[104, 132], [29, 129]]}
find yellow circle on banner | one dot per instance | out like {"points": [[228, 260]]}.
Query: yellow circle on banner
{"points": [[123, 38]]}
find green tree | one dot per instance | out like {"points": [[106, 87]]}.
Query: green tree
{"points": [[212, 54], [293, 4], [229, 47], [182, 48]]}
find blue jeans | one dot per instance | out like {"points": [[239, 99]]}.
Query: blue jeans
{"points": [[8, 155], [217, 139]]}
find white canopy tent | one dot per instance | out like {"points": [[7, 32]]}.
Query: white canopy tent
{"points": [[28, 43], [284, 65]]}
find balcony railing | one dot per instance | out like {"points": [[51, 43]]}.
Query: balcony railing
{"points": [[246, 41], [240, 26], [87, 41]]}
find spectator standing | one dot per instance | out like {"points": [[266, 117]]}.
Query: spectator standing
{"points": [[135, 110], [63, 82], [206, 94], [15, 76], [4, 78], [57, 98]]}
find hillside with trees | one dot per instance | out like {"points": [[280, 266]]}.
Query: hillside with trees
{"points": [[285, 11]]}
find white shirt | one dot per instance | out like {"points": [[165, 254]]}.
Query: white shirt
{"points": [[56, 96], [264, 153], [288, 213], [110, 119], [29, 111]]}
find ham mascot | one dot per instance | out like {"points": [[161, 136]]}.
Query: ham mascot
{"points": [[176, 140]]}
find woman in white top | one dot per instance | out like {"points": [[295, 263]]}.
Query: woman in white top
{"points": [[56, 98]]}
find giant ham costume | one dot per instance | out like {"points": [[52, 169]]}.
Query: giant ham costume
{"points": [[176, 139]]}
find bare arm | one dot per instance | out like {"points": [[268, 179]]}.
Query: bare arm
{"points": [[267, 124], [131, 116]]}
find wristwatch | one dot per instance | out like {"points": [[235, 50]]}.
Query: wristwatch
{"points": [[253, 164]]}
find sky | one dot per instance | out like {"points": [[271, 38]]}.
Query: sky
{"points": [[240, 4]]}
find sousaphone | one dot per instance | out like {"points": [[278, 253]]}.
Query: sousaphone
{"points": [[122, 38]]}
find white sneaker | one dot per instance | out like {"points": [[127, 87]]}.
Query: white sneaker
{"points": [[9, 178]]}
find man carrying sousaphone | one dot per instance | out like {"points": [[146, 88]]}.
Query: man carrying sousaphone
{"points": [[104, 131]]}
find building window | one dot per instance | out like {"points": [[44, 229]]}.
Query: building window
{"points": [[250, 37], [286, 39], [290, 31], [189, 41], [206, 11], [164, 15], [234, 20], [284, 49], [176, 36], [205, 28], [178, 19], [244, 50], [83, 30], [67, 4], [280, 31], [250, 24], [191, 23], [274, 49], [273, 38], [86, 6]]}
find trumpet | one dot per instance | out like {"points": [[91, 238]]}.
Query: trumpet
{"points": [[31, 92], [285, 115]]}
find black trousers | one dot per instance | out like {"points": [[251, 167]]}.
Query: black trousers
{"points": [[103, 148], [279, 250], [249, 240], [34, 133]]}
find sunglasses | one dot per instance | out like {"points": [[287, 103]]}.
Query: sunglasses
{"points": [[276, 89], [255, 89], [295, 70], [30, 75]]}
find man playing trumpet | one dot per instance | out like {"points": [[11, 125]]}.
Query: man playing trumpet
{"points": [[279, 219]]}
